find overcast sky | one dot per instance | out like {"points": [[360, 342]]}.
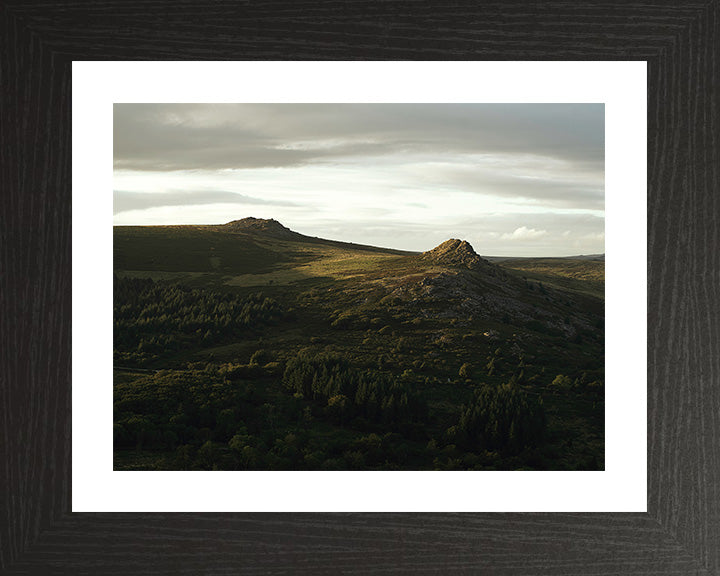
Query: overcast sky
{"points": [[512, 179]]}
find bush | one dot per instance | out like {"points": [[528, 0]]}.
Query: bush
{"points": [[260, 357], [562, 381]]}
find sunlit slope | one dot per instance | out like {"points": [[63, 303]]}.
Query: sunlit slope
{"points": [[561, 296], [240, 256]]}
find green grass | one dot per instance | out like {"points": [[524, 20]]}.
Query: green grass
{"points": [[582, 276], [197, 249]]}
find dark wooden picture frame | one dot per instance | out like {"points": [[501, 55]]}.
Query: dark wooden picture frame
{"points": [[680, 533]]}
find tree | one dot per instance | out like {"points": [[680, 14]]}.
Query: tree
{"points": [[259, 357], [503, 418], [207, 456], [562, 381], [337, 407]]}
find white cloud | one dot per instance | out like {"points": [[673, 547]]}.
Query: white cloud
{"points": [[524, 233]]}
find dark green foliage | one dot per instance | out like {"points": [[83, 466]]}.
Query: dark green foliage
{"points": [[209, 424], [562, 381], [199, 421], [500, 418], [153, 319], [371, 395]]}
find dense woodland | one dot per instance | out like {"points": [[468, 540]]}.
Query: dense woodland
{"points": [[152, 319]]}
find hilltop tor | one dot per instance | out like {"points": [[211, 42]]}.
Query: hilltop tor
{"points": [[457, 253], [269, 227]]}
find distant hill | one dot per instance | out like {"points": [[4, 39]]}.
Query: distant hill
{"points": [[269, 227], [598, 257]]}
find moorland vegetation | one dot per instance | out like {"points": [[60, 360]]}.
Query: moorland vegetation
{"points": [[250, 346]]}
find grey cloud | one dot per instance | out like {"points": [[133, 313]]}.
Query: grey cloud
{"points": [[553, 222], [124, 201], [197, 136], [548, 157], [562, 191]]}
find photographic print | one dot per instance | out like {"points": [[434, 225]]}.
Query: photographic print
{"points": [[359, 287]]}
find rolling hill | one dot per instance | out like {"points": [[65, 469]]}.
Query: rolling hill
{"points": [[443, 326]]}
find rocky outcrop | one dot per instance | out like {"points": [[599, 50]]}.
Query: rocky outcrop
{"points": [[457, 253], [269, 227]]}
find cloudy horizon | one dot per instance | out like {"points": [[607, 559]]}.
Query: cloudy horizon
{"points": [[512, 179]]}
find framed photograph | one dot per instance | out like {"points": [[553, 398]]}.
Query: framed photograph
{"points": [[407, 440], [365, 336]]}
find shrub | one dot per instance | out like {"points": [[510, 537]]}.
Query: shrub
{"points": [[562, 381]]}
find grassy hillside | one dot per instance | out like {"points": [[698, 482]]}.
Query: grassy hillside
{"points": [[579, 274], [251, 346]]}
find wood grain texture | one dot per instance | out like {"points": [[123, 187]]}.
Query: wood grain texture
{"points": [[681, 532]]}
